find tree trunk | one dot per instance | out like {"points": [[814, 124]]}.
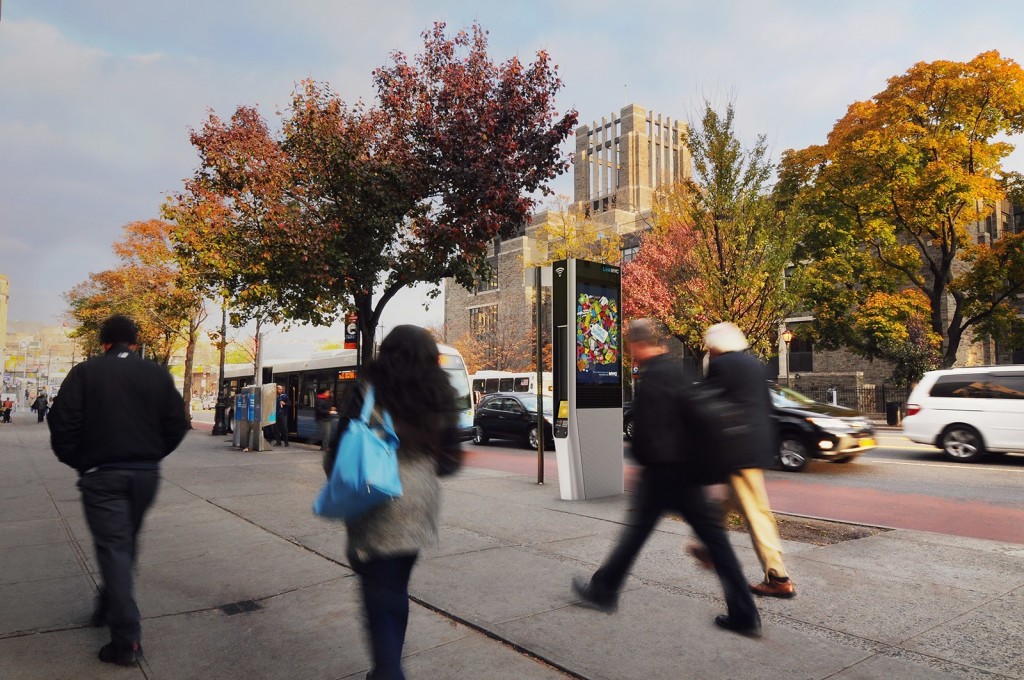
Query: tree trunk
{"points": [[186, 383]]}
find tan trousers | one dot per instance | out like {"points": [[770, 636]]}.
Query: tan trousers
{"points": [[748, 497]]}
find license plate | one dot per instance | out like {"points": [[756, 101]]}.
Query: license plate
{"points": [[866, 442]]}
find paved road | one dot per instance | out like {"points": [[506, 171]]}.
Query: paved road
{"points": [[900, 484]]}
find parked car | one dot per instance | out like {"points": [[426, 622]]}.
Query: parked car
{"points": [[507, 415], [811, 429], [628, 421], [968, 412], [209, 402]]}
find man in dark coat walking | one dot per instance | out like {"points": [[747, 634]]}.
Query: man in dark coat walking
{"points": [[742, 379], [116, 417], [663, 446], [282, 407]]}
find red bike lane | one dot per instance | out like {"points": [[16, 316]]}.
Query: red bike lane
{"points": [[917, 512]]}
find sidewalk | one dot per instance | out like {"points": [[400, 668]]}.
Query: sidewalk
{"points": [[238, 579]]}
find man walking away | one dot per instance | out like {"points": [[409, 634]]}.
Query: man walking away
{"points": [[116, 417], [283, 406], [323, 409], [668, 483], [742, 379], [41, 406]]}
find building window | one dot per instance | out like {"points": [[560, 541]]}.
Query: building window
{"points": [[801, 356], [483, 320], [488, 281], [628, 254]]}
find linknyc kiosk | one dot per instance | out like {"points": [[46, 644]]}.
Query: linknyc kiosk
{"points": [[587, 363]]}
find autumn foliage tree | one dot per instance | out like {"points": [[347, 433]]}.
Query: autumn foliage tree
{"points": [[566, 233], [892, 198], [349, 204], [719, 246], [150, 288]]}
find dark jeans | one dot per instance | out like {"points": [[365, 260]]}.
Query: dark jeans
{"points": [[115, 502], [281, 429], [664, 488], [325, 427], [385, 584]]}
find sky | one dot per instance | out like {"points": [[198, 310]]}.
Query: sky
{"points": [[97, 97]]}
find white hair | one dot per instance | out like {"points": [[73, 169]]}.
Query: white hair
{"points": [[725, 337]]}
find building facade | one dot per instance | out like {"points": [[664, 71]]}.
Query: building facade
{"points": [[619, 164]]}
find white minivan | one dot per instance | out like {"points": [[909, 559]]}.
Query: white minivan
{"points": [[968, 412]]}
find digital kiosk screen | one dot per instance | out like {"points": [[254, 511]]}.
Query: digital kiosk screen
{"points": [[598, 342]]}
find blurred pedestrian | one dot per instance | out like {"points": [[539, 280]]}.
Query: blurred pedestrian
{"points": [[116, 417], [8, 406], [663, 445], [41, 405], [323, 409], [282, 408], [742, 378], [383, 544]]}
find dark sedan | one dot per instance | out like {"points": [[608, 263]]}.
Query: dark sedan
{"points": [[807, 429], [810, 429], [508, 415]]}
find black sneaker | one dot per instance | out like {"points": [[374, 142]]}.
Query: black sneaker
{"points": [[121, 654], [608, 604], [752, 630]]}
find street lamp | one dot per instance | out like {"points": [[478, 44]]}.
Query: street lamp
{"points": [[787, 337], [220, 424]]}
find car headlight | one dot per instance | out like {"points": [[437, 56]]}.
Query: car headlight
{"points": [[827, 423]]}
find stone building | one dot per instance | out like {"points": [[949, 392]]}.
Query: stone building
{"points": [[620, 162]]}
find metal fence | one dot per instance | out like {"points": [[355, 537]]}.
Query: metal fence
{"points": [[868, 400]]}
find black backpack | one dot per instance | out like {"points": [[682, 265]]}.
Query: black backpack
{"points": [[717, 428]]}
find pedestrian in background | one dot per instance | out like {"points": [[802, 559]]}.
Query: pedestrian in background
{"points": [[742, 378], [116, 417], [323, 409], [282, 408], [664, 446], [41, 406], [384, 543], [8, 406]]}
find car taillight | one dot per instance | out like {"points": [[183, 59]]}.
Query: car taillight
{"points": [[913, 409]]}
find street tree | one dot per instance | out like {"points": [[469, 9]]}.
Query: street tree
{"points": [[567, 233], [349, 204], [892, 199], [175, 295], [720, 243]]}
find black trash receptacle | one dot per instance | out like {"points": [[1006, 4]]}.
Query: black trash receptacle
{"points": [[893, 414]]}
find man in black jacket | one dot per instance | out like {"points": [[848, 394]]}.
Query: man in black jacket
{"points": [[742, 379], [116, 417], [668, 483]]}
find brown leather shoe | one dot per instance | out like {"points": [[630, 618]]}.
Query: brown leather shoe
{"points": [[773, 587]]}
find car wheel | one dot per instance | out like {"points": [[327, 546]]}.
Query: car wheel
{"points": [[962, 443], [479, 436], [792, 453], [630, 428], [531, 438]]}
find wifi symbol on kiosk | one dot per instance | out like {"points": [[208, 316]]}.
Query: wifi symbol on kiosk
{"points": [[560, 271]]}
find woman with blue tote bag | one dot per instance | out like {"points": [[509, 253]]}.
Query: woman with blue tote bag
{"points": [[383, 544]]}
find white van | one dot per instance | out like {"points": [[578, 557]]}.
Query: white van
{"points": [[968, 412]]}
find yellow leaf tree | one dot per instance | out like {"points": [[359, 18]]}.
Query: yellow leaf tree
{"points": [[892, 195]]}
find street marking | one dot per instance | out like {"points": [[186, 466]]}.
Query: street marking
{"points": [[959, 466]]}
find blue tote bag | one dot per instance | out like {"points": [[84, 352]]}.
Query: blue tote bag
{"points": [[365, 472]]}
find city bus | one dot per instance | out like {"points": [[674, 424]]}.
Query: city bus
{"points": [[489, 382], [336, 370]]}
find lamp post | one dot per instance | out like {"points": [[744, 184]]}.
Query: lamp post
{"points": [[787, 337], [220, 427]]}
